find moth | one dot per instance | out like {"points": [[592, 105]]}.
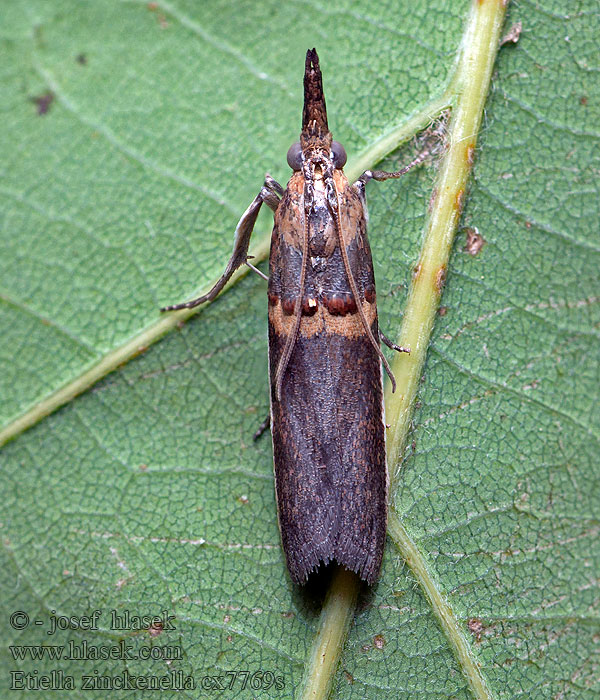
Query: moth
{"points": [[325, 359]]}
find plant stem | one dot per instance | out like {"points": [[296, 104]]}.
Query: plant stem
{"points": [[336, 615], [471, 85]]}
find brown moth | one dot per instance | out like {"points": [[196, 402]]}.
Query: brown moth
{"points": [[325, 360]]}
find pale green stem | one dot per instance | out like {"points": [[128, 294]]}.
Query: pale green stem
{"points": [[335, 619], [470, 87], [474, 71], [421, 570]]}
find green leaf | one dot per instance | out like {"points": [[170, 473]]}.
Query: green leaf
{"points": [[147, 493]]}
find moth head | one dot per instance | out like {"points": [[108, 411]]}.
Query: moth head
{"points": [[295, 155]]}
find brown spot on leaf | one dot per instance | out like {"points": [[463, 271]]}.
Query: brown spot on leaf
{"points": [[43, 102], [583, 100], [379, 641], [155, 628], [475, 241], [349, 677], [81, 58], [475, 626], [161, 19], [417, 271], [443, 310], [140, 351], [440, 279], [459, 200], [470, 154]]}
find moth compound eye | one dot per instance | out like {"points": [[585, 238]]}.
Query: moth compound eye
{"points": [[294, 156], [339, 154]]}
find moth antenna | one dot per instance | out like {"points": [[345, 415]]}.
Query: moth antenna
{"points": [[291, 339], [354, 289]]}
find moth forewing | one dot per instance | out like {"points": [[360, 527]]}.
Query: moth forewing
{"points": [[327, 418]]}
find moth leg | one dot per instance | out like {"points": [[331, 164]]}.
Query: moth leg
{"points": [[381, 175], [390, 344], [265, 425], [255, 269], [270, 194]]}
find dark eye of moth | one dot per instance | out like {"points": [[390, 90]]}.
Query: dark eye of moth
{"points": [[339, 154], [294, 156]]}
